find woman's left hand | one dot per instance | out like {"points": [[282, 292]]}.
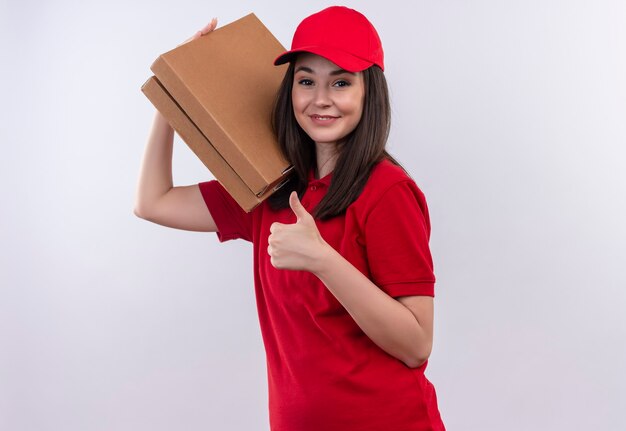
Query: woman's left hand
{"points": [[297, 246]]}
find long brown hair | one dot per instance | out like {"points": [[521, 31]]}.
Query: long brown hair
{"points": [[359, 152]]}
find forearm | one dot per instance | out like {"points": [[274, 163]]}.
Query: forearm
{"points": [[387, 322], [155, 178]]}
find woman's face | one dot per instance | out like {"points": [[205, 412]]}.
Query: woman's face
{"points": [[327, 100]]}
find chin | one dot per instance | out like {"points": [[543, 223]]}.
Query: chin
{"points": [[325, 138]]}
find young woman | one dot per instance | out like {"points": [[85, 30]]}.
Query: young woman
{"points": [[342, 269]]}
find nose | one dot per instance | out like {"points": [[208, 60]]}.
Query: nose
{"points": [[322, 98]]}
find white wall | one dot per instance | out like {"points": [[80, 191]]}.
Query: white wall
{"points": [[509, 115]]}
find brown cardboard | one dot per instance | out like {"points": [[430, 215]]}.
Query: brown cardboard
{"points": [[225, 84], [201, 146]]}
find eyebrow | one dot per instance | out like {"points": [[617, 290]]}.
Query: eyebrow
{"points": [[333, 73]]}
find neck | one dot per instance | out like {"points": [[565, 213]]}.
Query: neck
{"points": [[326, 156]]}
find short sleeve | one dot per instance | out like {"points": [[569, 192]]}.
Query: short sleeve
{"points": [[397, 232], [231, 220]]}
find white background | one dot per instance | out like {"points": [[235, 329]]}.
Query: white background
{"points": [[510, 115]]}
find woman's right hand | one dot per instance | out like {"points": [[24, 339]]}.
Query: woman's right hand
{"points": [[205, 30]]}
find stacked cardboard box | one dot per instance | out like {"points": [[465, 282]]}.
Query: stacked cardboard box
{"points": [[218, 92]]}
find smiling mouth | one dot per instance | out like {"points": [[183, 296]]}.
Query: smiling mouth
{"points": [[323, 117]]}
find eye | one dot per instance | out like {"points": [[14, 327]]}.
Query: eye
{"points": [[342, 83], [305, 81]]}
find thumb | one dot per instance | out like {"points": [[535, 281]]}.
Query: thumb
{"points": [[296, 206]]}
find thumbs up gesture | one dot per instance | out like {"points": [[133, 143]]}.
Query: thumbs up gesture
{"points": [[297, 246]]}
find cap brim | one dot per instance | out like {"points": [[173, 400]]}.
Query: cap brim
{"points": [[342, 59]]}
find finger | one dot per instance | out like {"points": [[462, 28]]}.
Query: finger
{"points": [[296, 206], [209, 27], [274, 262], [205, 30], [275, 227]]}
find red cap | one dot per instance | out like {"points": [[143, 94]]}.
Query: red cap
{"points": [[341, 35]]}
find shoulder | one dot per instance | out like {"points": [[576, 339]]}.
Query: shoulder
{"points": [[392, 199], [388, 179], [388, 173]]}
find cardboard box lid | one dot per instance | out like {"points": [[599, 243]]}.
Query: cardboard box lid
{"points": [[226, 83], [201, 146]]}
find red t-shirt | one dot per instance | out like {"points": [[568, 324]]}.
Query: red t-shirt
{"points": [[324, 373]]}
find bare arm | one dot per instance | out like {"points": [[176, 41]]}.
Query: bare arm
{"points": [[157, 200], [403, 327]]}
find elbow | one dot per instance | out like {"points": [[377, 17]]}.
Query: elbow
{"points": [[418, 358], [137, 211], [148, 206], [415, 362], [141, 210]]}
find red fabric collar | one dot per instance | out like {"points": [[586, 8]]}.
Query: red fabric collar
{"points": [[321, 181]]}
